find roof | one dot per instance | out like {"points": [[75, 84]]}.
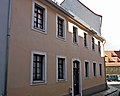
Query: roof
{"points": [[75, 18], [86, 7], [112, 58], [84, 13]]}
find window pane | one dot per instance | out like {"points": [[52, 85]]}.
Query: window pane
{"points": [[61, 62], [35, 14], [39, 21]]}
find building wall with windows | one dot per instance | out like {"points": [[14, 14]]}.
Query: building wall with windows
{"points": [[45, 42]]}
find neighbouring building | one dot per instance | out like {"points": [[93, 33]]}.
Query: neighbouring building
{"points": [[112, 61], [49, 49]]}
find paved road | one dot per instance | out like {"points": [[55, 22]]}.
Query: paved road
{"points": [[115, 84]]}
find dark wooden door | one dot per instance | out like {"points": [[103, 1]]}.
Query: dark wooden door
{"points": [[76, 77]]}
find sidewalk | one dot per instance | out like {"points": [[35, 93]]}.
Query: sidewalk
{"points": [[112, 91]]}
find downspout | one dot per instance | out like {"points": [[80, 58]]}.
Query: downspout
{"points": [[105, 66], [7, 46]]}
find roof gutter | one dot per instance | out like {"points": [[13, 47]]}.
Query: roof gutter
{"points": [[7, 46]]}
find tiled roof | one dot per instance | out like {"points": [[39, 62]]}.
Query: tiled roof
{"points": [[112, 58]]}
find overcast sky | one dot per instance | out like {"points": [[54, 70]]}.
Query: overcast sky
{"points": [[109, 9]]}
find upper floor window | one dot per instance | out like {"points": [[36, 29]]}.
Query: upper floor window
{"points": [[39, 17], [61, 27], [38, 72], [93, 43], [99, 47], [75, 35], [85, 40], [61, 68]]}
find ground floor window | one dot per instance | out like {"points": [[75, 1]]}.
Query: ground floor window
{"points": [[61, 68], [100, 68], [38, 73], [94, 69], [86, 68]]}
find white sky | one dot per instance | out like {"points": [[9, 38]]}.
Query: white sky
{"points": [[110, 10]]}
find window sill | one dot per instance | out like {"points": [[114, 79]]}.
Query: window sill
{"points": [[86, 78], [61, 38], [93, 49], [94, 76], [86, 46], [38, 83], [76, 43], [100, 75], [61, 80], [40, 31]]}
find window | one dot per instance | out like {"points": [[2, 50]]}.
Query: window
{"points": [[61, 27], [86, 69], [99, 47], [75, 35], [93, 43], [38, 73], [61, 68], [100, 68], [39, 17], [85, 39], [94, 69]]}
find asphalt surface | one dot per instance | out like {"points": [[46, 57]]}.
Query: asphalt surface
{"points": [[114, 84]]}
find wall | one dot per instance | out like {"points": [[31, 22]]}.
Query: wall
{"points": [[24, 40]]}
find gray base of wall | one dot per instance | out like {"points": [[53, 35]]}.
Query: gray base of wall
{"points": [[94, 90]]}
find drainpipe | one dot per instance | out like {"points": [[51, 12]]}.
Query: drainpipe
{"points": [[7, 46], [105, 65]]}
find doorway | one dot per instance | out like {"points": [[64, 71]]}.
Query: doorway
{"points": [[76, 78]]}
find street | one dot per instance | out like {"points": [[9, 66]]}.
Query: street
{"points": [[114, 84]]}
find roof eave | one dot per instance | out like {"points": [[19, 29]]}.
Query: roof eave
{"points": [[59, 7]]}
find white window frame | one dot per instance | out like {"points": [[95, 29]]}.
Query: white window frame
{"points": [[44, 70], [44, 30], [88, 69], [64, 27], [95, 69], [65, 68]]}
